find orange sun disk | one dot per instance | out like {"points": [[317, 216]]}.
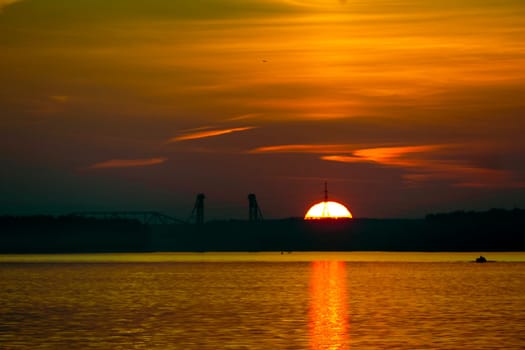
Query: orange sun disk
{"points": [[327, 210]]}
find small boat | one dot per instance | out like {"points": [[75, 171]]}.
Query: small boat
{"points": [[481, 259]]}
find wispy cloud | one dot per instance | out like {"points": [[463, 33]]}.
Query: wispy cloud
{"points": [[244, 117], [127, 163], [395, 156], [422, 163], [305, 148], [463, 175], [59, 98], [5, 3], [427, 163], [208, 133]]}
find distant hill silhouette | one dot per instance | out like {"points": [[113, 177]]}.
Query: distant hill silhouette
{"points": [[493, 230]]}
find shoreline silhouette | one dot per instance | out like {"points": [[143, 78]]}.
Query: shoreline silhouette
{"points": [[493, 230]]}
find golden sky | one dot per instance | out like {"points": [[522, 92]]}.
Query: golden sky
{"points": [[404, 106]]}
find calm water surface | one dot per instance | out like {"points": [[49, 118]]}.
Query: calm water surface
{"points": [[262, 301]]}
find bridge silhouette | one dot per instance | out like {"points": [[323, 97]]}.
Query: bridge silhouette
{"points": [[155, 217], [145, 217]]}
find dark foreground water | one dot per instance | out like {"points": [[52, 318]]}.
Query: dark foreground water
{"points": [[262, 301]]}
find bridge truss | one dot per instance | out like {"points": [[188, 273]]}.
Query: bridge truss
{"points": [[145, 217]]}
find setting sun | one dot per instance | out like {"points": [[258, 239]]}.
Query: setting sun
{"points": [[328, 210]]}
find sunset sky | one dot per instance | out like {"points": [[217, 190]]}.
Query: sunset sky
{"points": [[405, 107]]}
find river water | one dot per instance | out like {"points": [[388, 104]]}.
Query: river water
{"points": [[262, 301]]}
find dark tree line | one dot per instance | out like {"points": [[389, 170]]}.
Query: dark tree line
{"points": [[48, 234], [493, 230]]}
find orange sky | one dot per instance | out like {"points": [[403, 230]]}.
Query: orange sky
{"points": [[404, 106]]}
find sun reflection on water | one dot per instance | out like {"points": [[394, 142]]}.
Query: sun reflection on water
{"points": [[328, 312]]}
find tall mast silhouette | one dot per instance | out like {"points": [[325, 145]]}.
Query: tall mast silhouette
{"points": [[326, 212], [198, 209], [255, 213]]}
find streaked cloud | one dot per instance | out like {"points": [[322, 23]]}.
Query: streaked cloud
{"points": [[433, 163], [127, 163], [463, 175], [316, 149], [421, 163], [244, 117], [5, 3], [395, 156], [208, 133], [59, 98]]}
